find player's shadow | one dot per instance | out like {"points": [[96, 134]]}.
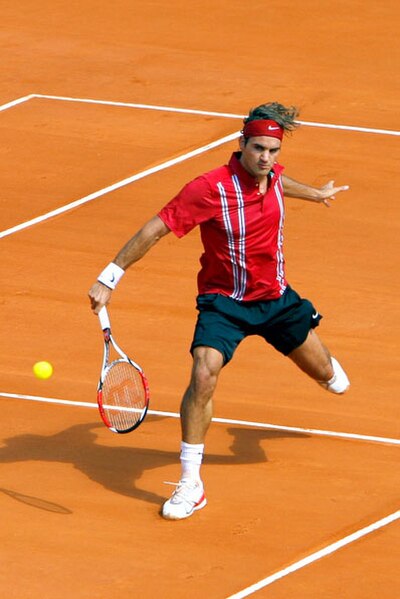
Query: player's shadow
{"points": [[119, 468]]}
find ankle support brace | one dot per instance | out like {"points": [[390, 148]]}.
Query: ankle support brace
{"points": [[339, 383]]}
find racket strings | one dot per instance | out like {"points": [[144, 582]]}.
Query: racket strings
{"points": [[123, 395]]}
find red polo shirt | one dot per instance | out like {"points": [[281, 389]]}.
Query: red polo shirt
{"points": [[241, 230]]}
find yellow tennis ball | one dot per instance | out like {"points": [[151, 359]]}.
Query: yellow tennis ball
{"points": [[43, 370]]}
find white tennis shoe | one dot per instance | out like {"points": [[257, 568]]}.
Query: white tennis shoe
{"points": [[187, 498]]}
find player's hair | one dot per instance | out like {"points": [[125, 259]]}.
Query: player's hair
{"points": [[284, 115]]}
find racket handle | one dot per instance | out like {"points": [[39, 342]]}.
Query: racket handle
{"points": [[104, 319]]}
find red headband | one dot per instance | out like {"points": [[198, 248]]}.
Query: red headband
{"points": [[261, 127]]}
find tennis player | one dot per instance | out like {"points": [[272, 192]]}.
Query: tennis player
{"points": [[242, 287]]}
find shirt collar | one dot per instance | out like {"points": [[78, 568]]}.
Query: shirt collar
{"points": [[244, 175]]}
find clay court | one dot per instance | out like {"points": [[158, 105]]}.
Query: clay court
{"points": [[106, 111]]}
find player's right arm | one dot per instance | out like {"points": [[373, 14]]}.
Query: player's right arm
{"points": [[141, 242], [131, 252]]}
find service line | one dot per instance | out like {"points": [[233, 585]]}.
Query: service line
{"points": [[248, 423]]}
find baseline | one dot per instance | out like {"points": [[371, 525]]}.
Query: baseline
{"points": [[228, 115], [293, 429], [210, 113]]}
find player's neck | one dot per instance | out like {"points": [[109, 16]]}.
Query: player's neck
{"points": [[262, 184]]}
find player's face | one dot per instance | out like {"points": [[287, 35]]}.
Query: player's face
{"points": [[259, 154]]}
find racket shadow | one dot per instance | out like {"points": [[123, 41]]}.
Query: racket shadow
{"points": [[37, 502], [119, 468]]}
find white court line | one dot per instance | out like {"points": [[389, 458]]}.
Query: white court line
{"points": [[228, 115], [118, 185], [278, 427], [210, 113], [350, 128], [313, 557], [16, 102], [153, 170]]}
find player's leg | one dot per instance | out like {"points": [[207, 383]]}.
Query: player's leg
{"points": [[216, 337], [313, 358], [196, 406], [292, 332], [196, 414]]}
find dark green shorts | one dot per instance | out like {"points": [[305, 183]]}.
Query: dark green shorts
{"points": [[223, 322]]}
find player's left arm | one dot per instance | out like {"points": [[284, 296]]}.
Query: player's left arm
{"points": [[321, 195]]}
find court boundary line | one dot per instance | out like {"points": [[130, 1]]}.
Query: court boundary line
{"points": [[122, 183], [127, 181], [193, 111], [13, 103], [248, 423], [210, 113], [317, 555]]}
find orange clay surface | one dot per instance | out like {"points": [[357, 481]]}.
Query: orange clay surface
{"points": [[79, 505]]}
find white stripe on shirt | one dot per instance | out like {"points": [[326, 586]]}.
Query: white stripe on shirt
{"points": [[280, 272], [242, 238], [238, 261], [231, 241]]}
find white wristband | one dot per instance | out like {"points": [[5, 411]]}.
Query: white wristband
{"points": [[111, 275]]}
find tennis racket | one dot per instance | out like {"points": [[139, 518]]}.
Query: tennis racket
{"points": [[123, 391]]}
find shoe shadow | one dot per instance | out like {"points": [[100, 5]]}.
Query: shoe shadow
{"points": [[120, 468]]}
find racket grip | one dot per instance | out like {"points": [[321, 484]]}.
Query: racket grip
{"points": [[104, 319]]}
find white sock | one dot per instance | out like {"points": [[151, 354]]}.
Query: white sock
{"points": [[191, 459], [339, 383]]}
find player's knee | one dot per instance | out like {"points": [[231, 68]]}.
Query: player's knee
{"points": [[206, 367], [203, 382], [339, 383]]}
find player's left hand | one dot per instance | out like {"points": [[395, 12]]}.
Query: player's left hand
{"points": [[329, 191]]}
